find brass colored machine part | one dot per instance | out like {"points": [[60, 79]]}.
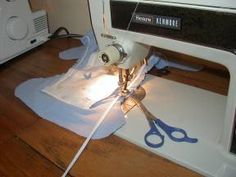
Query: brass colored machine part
{"points": [[125, 76], [129, 104]]}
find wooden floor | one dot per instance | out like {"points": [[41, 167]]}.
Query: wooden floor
{"points": [[33, 147]]}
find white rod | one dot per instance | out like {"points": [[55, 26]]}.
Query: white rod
{"points": [[90, 136]]}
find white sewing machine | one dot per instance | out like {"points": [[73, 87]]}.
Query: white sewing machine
{"points": [[126, 28], [20, 28]]}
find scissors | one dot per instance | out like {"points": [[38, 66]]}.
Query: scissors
{"points": [[155, 122]]}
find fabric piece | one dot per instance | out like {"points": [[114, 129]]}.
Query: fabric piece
{"points": [[73, 86], [82, 52], [85, 87], [78, 120], [163, 63], [73, 53]]}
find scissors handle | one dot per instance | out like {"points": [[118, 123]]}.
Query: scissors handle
{"points": [[169, 130], [153, 132]]}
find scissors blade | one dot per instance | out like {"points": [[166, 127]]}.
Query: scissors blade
{"points": [[148, 114]]}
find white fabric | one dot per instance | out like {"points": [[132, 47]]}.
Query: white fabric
{"points": [[89, 46], [85, 87], [73, 53], [78, 120], [163, 63]]}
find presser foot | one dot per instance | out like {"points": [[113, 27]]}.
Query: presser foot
{"points": [[129, 104]]}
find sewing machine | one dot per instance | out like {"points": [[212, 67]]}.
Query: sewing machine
{"points": [[125, 29], [20, 28]]}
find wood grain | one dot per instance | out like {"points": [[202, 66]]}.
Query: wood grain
{"points": [[109, 157], [5, 132], [213, 76], [20, 160]]}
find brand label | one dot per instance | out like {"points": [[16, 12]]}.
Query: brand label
{"points": [[158, 20]]}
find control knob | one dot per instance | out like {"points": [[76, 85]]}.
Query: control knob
{"points": [[16, 28], [113, 54]]}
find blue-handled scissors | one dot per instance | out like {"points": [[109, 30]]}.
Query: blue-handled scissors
{"points": [[169, 130]]}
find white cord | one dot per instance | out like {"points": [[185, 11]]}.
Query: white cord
{"points": [[90, 136]]}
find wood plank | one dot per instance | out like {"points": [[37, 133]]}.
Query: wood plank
{"points": [[213, 77], [13, 114], [202, 79], [5, 132], [53, 142], [63, 44], [20, 160], [111, 156]]}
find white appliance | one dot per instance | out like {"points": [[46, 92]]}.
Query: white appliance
{"points": [[20, 29], [201, 28]]}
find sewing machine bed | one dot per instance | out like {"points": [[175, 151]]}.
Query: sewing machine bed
{"points": [[199, 112]]}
